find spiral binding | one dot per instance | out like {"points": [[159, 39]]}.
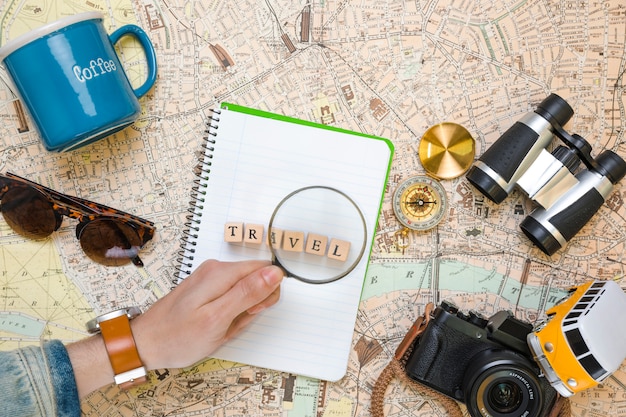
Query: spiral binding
{"points": [[198, 192]]}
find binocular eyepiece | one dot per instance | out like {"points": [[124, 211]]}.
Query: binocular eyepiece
{"points": [[567, 196]]}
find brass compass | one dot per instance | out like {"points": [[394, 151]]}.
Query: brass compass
{"points": [[420, 202]]}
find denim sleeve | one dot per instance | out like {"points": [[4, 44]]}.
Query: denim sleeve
{"points": [[38, 381]]}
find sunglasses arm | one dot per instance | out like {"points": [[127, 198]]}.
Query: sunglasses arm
{"points": [[137, 261], [80, 203]]}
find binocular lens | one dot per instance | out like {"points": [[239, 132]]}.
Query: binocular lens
{"points": [[612, 166], [486, 184], [556, 110], [540, 235]]}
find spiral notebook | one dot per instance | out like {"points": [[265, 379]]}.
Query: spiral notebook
{"points": [[251, 160]]}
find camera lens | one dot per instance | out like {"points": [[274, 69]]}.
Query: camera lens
{"points": [[504, 397], [502, 383], [504, 391]]}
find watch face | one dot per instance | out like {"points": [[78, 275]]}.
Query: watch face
{"points": [[420, 202]]}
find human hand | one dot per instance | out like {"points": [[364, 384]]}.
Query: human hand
{"points": [[208, 308], [205, 310]]}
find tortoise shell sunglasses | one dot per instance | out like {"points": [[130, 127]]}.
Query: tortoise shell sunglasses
{"points": [[107, 236]]}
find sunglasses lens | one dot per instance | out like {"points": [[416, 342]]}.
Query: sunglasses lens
{"points": [[109, 241], [29, 213]]}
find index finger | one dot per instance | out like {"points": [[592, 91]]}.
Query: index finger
{"points": [[214, 278], [255, 289]]}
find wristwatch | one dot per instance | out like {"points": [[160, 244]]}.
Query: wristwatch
{"points": [[120, 345]]}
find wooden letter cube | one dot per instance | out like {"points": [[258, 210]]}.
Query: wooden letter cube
{"points": [[293, 241], [316, 244], [254, 234], [275, 237], [338, 250], [233, 232]]}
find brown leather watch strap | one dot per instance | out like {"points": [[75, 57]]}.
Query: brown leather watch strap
{"points": [[120, 345]]}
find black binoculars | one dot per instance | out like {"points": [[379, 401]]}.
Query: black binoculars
{"points": [[567, 196]]}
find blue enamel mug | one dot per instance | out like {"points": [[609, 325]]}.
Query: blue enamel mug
{"points": [[71, 81]]}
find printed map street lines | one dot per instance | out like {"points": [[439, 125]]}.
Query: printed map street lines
{"points": [[28, 270], [391, 69]]}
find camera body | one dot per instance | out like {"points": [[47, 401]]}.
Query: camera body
{"points": [[567, 196], [484, 363]]}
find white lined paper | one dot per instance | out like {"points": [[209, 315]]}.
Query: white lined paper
{"points": [[256, 162]]}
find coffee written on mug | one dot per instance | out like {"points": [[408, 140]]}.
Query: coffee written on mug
{"points": [[71, 81]]}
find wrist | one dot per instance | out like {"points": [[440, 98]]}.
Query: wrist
{"points": [[146, 348], [90, 363]]}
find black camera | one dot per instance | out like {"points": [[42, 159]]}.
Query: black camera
{"points": [[484, 363], [568, 196]]}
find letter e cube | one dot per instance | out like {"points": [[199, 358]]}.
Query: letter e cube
{"points": [[316, 244]]}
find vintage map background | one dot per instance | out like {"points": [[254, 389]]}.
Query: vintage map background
{"points": [[390, 68]]}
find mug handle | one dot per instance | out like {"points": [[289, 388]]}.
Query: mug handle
{"points": [[142, 37]]}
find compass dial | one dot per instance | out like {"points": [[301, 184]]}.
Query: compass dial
{"points": [[420, 202]]}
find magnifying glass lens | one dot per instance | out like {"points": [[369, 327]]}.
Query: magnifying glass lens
{"points": [[317, 234]]}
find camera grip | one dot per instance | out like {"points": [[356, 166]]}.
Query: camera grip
{"points": [[568, 221], [421, 360], [442, 354]]}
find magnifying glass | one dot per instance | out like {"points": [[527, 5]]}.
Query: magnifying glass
{"points": [[317, 235]]}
